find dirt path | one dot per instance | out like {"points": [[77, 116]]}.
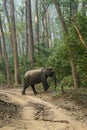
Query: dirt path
{"points": [[39, 115]]}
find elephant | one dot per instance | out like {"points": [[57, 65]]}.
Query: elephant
{"points": [[33, 77]]}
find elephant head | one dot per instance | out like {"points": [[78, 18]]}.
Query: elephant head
{"points": [[51, 73]]}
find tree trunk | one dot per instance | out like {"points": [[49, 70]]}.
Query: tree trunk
{"points": [[5, 53], [45, 23], [30, 30], [46, 29], [73, 66], [6, 11], [36, 24], [14, 44], [0, 48], [27, 39], [8, 20], [84, 2], [49, 31]]}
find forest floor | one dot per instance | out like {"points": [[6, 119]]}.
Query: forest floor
{"points": [[44, 111]]}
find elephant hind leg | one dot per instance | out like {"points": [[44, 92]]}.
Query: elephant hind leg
{"points": [[23, 92], [34, 90]]}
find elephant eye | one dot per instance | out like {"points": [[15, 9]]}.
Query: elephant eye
{"points": [[52, 72]]}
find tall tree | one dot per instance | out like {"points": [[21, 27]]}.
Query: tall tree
{"points": [[49, 29], [30, 30], [36, 23], [45, 22], [8, 21], [27, 39], [5, 53], [73, 65], [84, 3], [7, 15], [0, 48], [14, 43], [46, 28]]}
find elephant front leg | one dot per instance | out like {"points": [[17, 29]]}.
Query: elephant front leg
{"points": [[46, 86], [34, 90]]}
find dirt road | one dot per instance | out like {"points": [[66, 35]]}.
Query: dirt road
{"points": [[38, 114]]}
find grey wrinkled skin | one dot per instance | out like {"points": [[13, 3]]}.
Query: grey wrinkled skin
{"points": [[33, 77]]}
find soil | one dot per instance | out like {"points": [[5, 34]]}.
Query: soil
{"points": [[43, 111]]}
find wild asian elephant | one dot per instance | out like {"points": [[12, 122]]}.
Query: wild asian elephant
{"points": [[33, 77]]}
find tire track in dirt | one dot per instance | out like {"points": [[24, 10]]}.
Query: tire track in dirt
{"points": [[40, 115]]}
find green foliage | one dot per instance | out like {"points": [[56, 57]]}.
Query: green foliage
{"points": [[2, 78], [24, 65], [2, 64], [79, 51], [66, 82], [11, 64], [59, 60], [42, 56], [20, 27], [2, 72]]}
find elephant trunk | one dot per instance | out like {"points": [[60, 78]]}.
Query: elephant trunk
{"points": [[54, 78]]}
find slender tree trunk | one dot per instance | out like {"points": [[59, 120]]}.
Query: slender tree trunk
{"points": [[0, 48], [14, 44], [73, 66], [49, 31], [6, 11], [84, 2], [8, 20], [5, 53], [43, 28], [46, 29], [36, 24], [45, 23], [27, 39], [30, 29], [74, 74]]}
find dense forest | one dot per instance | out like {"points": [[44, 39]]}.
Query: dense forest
{"points": [[42, 33]]}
